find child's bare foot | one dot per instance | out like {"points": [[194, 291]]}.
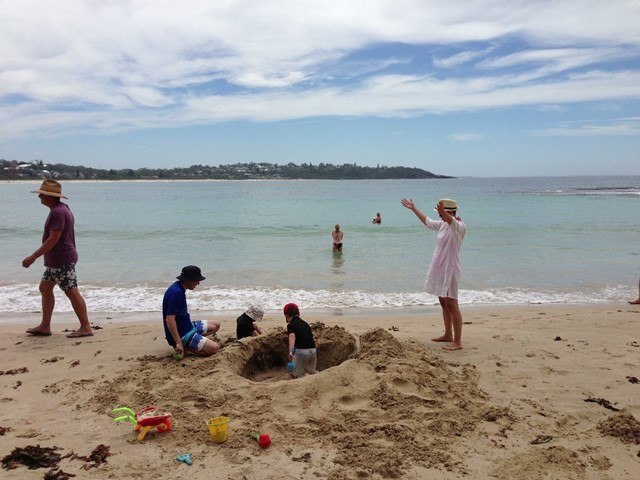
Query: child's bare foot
{"points": [[452, 346], [443, 338], [635, 302]]}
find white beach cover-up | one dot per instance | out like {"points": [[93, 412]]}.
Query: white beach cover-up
{"points": [[444, 271]]}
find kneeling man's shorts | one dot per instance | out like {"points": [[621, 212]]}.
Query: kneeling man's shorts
{"points": [[194, 339]]}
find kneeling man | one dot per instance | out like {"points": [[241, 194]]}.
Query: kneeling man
{"points": [[183, 334]]}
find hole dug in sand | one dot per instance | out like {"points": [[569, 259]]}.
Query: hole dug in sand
{"points": [[379, 408], [265, 358]]}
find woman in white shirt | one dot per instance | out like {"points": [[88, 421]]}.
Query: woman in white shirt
{"points": [[444, 271]]}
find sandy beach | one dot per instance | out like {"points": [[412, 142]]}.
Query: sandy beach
{"points": [[387, 403]]}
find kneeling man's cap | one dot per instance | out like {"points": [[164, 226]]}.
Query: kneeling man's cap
{"points": [[190, 273]]}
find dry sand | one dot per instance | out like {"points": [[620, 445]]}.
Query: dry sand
{"points": [[387, 402]]}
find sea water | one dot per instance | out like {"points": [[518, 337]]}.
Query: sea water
{"points": [[529, 240]]}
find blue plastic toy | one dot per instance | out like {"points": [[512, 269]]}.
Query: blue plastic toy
{"points": [[290, 366], [184, 458]]}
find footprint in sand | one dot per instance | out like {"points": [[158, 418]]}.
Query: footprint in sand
{"points": [[350, 402], [405, 386]]}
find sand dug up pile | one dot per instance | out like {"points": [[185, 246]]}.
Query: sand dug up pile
{"points": [[374, 412]]}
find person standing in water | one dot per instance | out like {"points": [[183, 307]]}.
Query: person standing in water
{"points": [[444, 271], [337, 236]]}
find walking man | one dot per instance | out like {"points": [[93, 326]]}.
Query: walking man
{"points": [[60, 257], [444, 271]]}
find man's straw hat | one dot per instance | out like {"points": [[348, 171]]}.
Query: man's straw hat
{"points": [[50, 188]]}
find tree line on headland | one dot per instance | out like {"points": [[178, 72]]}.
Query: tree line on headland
{"points": [[14, 170]]}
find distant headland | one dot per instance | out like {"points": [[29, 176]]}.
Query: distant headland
{"points": [[14, 170]]}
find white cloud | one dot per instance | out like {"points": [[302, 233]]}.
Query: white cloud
{"points": [[460, 58], [126, 64], [148, 97], [257, 80], [618, 127], [547, 62], [405, 95], [382, 96]]}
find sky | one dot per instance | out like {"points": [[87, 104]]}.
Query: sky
{"points": [[464, 88]]}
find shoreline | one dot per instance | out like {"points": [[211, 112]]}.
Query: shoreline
{"points": [[114, 316], [24, 298], [96, 180], [160, 180]]}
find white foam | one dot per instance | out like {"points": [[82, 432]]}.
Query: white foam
{"points": [[21, 298]]}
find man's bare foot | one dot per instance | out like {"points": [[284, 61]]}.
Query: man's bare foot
{"points": [[452, 346], [80, 333], [443, 338], [635, 302], [38, 333]]}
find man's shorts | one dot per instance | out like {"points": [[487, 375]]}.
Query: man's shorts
{"points": [[194, 339], [64, 276], [304, 360]]}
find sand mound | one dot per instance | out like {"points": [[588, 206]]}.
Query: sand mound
{"points": [[377, 411], [622, 425], [546, 462]]}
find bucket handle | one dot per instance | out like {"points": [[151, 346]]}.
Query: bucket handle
{"points": [[207, 422]]}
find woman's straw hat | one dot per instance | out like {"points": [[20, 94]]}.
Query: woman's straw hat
{"points": [[449, 204], [50, 188]]}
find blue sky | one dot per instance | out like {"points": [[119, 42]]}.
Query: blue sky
{"points": [[479, 88]]}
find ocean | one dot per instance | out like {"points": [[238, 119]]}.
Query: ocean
{"points": [[529, 240]]}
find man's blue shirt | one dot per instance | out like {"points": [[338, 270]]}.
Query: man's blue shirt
{"points": [[175, 303]]}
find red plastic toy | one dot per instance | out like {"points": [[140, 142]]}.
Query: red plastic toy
{"points": [[145, 420], [263, 439]]}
